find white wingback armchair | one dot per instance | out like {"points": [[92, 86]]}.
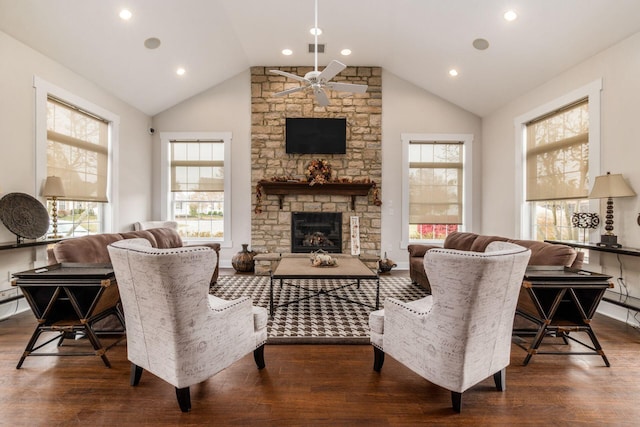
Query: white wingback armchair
{"points": [[461, 334], [175, 329]]}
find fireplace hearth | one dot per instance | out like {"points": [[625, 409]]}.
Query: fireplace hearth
{"points": [[312, 231]]}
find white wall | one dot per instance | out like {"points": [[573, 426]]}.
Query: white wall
{"points": [[17, 164], [409, 109], [406, 109], [223, 108], [619, 68]]}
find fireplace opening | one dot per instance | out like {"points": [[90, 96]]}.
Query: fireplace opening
{"points": [[311, 231]]}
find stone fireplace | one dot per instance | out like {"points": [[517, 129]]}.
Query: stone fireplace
{"points": [[312, 231], [272, 224]]}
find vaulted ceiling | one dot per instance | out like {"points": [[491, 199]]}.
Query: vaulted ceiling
{"points": [[418, 40]]}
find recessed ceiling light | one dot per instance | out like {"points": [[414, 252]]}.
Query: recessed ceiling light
{"points": [[345, 52], [510, 15], [180, 71], [453, 72], [315, 31], [152, 43], [125, 14], [287, 52], [480, 44]]}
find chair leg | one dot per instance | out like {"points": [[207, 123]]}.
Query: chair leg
{"points": [[184, 398], [136, 373], [456, 401], [258, 356], [500, 378], [378, 359]]}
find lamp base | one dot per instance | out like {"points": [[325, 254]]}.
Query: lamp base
{"points": [[609, 241]]}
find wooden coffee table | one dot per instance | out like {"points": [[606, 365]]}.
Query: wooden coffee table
{"points": [[349, 268]]}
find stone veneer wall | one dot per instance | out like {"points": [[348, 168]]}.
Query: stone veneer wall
{"points": [[271, 229]]}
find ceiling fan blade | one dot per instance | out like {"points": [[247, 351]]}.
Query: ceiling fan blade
{"points": [[321, 97], [330, 71], [347, 87], [288, 91], [289, 75]]}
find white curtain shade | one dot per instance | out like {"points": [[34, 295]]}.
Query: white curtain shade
{"points": [[78, 152], [557, 156], [197, 166], [435, 183]]}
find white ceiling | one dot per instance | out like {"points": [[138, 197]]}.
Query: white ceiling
{"points": [[418, 40]]}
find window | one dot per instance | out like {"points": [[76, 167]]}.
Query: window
{"points": [[75, 141], [560, 146], [557, 170], [437, 173], [196, 184]]}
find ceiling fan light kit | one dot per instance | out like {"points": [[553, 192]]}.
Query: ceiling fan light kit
{"points": [[318, 81]]}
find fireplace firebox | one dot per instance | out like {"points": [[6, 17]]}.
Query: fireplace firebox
{"points": [[311, 231]]}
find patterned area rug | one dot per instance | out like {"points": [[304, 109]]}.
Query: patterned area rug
{"points": [[320, 319]]}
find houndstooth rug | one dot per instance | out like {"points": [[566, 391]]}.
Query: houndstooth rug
{"points": [[320, 319]]}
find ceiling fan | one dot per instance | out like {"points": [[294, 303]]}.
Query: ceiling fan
{"points": [[319, 81]]}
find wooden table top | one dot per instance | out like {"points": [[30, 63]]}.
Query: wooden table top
{"points": [[301, 268]]}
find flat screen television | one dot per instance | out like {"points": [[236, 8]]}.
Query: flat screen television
{"points": [[316, 135]]}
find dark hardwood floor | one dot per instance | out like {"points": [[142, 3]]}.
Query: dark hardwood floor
{"points": [[320, 385]]}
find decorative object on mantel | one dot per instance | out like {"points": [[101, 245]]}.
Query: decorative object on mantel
{"points": [[283, 185], [584, 220], [53, 189], [355, 235], [607, 187], [385, 264], [243, 261], [318, 172], [24, 216], [320, 258]]}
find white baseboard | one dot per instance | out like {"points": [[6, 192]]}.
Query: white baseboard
{"points": [[621, 314]]}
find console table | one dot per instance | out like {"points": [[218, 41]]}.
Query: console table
{"points": [[559, 300], [67, 299], [20, 245], [609, 296]]}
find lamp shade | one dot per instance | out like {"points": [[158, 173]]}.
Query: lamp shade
{"points": [[610, 186], [53, 187]]}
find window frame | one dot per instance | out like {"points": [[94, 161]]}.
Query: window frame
{"points": [[591, 91], [467, 172], [43, 90], [165, 177]]}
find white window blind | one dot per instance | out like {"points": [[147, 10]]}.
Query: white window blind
{"points": [[558, 154], [197, 166], [435, 182], [77, 151]]}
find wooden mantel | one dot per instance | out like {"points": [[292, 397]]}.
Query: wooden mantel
{"points": [[349, 189]]}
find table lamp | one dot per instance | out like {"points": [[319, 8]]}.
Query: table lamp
{"points": [[607, 187], [53, 189]]}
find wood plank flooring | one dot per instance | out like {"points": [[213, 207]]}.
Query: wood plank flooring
{"points": [[320, 385]]}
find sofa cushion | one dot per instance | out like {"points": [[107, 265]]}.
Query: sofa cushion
{"points": [[470, 241], [549, 254], [87, 249], [93, 249], [166, 237], [140, 234]]}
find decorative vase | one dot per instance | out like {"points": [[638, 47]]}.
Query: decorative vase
{"points": [[385, 265], [243, 260]]}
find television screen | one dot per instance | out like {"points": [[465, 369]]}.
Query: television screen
{"points": [[316, 136]]}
